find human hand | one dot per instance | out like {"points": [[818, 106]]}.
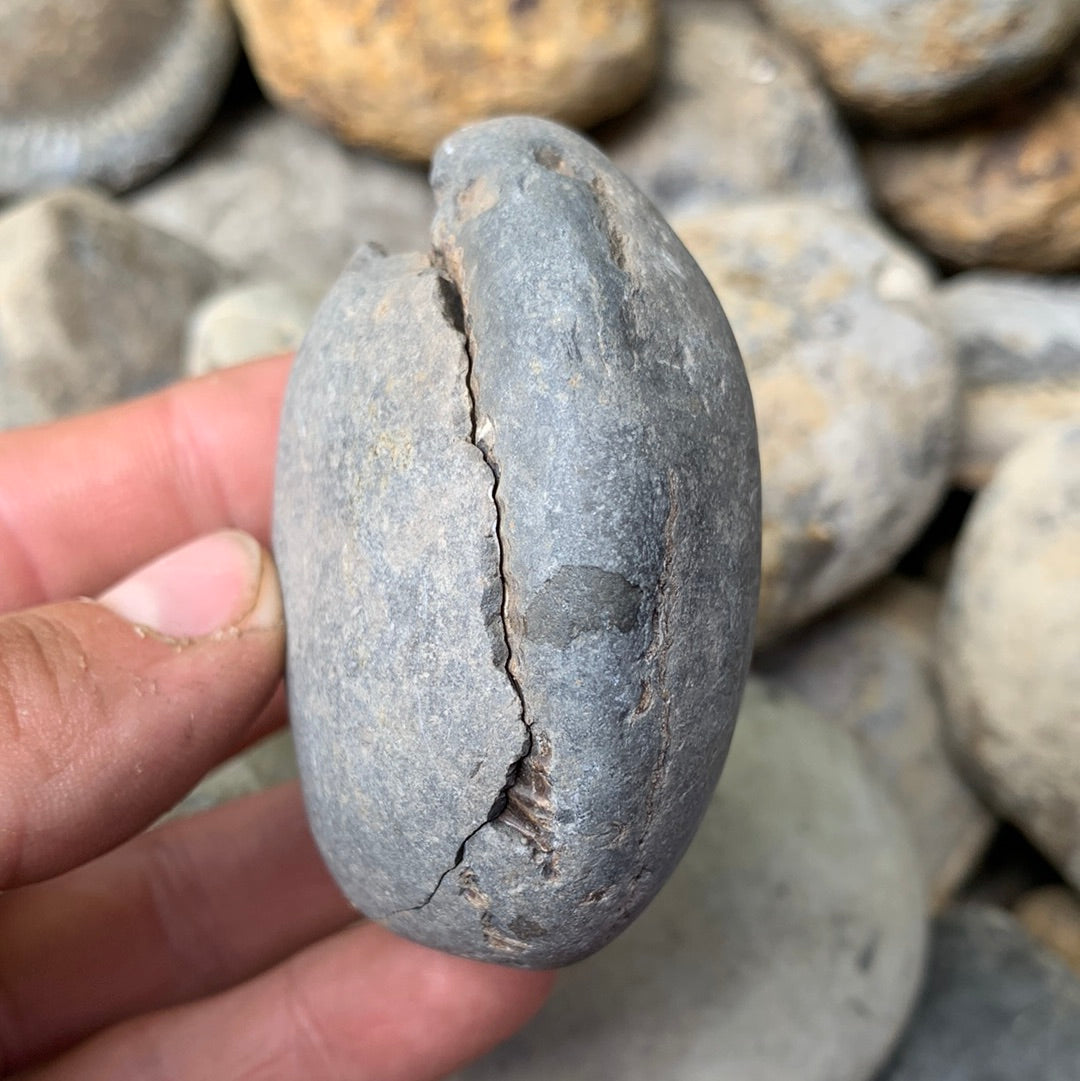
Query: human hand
{"points": [[215, 946]]}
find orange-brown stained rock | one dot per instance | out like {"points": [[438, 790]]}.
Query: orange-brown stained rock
{"points": [[1004, 191], [401, 74]]}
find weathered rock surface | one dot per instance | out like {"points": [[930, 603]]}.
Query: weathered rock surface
{"points": [[735, 114], [517, 526], [788, 944], [1018, 350], [402, 76], [1002, 190], [870, 668], [1010, 643], [271, 761], [109, 91], [93, 303], [256, 319], [996, 1007], [1051, 915], [854, 387], [927, 61], [279, 199]]}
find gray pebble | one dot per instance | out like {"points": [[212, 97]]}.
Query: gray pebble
{"points": [[517, 524], [854, 385], [735, 114], [283, 200], [1018, 342], [1009, 651], [93, 303], [927, 61], [256, 319], [997, 1007], [18, 406], [788, 944], [870, 667], [109, 91]]}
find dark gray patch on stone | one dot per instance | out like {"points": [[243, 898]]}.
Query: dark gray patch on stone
{"points": [[576, 600]]}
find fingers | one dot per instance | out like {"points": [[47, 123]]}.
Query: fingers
{"points": [[84, 500], [183, 911], [361, 1006], [106, 723]]}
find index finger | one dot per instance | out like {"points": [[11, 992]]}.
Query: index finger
{"points": [[85, 500]]}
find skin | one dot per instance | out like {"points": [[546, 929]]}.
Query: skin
{"points": [[216, 945]]}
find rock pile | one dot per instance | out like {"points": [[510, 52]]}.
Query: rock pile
{"points": [[887, 209]]}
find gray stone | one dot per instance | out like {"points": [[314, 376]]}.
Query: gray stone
{"points": [[870, 668], [1018, 340], [257, 319], [997, 1007], [270, 762], [281, 199], [854, 386], [93, 303], [1009, 651], [1002, 189], [517, 524], [109, 91], [927, 61], [735, 114], [18, 406], [788, 944]]}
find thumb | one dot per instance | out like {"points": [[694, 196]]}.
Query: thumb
{"points": [[110, 710]]}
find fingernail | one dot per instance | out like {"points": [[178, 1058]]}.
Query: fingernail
{"points": [[220, 582]]}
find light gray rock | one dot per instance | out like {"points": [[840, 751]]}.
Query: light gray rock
{"points": [[283, 200], [270, 762], [18, 407], [109, 91], [735, 114], [854, 386], [256, 319], [93, 303], [1009, 652], [870, 667], [927, 61], [1018, 341], [517, 525], [997, 1007], [788, 944]]}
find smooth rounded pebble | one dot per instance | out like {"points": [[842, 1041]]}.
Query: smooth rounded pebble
{"points": [[870, 668], [1018, 348], [279, 199], [1009, 652], [735, 114], [400, 76], [93, 303], [1051, 915], [270, 762], [257, 319], [997, 1007], [109, 91], [920, 63], [1002, 190], [788, 944], [517, 522], [854, 387]]}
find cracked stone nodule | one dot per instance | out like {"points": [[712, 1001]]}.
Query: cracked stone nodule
{"points": [[517, 518]]}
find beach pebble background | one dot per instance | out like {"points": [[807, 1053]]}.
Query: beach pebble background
{"points": [[887, 209]]}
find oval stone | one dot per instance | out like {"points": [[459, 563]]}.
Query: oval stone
{"points": [[517, 519]]}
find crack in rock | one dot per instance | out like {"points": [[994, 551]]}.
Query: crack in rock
{"points": [[455, 315]]}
